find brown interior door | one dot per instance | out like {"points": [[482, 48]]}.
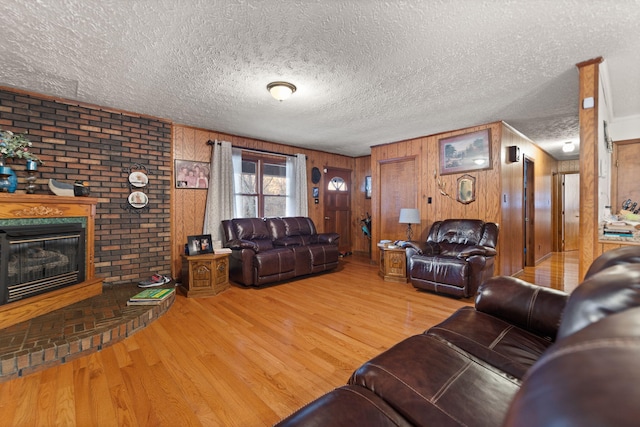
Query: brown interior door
{"points": [[398, 190], [571, 209], [337, 206]]}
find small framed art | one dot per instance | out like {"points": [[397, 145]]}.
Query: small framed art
{"points": [[197, 245], [367, 187]]}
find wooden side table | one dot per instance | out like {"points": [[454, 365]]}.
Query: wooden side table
{"points": [[393, 265], [204, 275]]}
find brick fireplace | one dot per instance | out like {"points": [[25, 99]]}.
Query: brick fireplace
{"points": [[53, 239]]}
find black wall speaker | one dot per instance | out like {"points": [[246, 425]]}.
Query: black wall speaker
{"points": [[514, 153]]}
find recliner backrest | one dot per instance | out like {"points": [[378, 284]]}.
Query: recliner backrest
{"points": [[461, 231], [609, 291], [618, 256]]}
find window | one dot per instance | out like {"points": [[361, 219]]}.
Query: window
{"points": [[263, 187]]}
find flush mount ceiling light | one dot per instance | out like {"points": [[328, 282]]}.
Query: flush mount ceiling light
{"points": [[281, 90], [568, 147]]}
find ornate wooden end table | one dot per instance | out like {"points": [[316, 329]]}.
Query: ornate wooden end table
{"points": [[204, 275], [393, 264]]}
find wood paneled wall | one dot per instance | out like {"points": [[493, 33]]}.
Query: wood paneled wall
{"points": [[425, 151], [188, 205], [499, 192], [512, 201]]}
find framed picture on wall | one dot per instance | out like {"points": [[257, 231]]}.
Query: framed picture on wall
{"points": [[197, 245], [191, 174], [463, 153], [367, 187]]}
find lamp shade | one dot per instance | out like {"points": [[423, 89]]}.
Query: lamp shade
{"points": [[409, 216]]}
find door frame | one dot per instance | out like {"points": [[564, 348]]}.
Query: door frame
{"points": [[528, 211]]}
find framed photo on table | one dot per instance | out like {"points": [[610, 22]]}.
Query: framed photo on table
{"points": [[191, 174], [197, 245], [463, 153]]}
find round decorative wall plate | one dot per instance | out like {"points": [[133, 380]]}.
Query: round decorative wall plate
{"points": [[138, 179], [138, 199]]}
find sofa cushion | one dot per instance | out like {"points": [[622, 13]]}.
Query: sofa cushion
{"points": [[346, 406], [612, 290], [431, 383], [275, 261], [299, 226], [530, 307], [499, 343], [441, 269], [250, 229]]}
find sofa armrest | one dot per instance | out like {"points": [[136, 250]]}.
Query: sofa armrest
{"points": [[530, 307], [476, 250], [328, 238], [425, 248], [242, 244]]}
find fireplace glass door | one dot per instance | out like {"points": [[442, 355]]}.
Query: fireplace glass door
{"points": [[39, 258]]}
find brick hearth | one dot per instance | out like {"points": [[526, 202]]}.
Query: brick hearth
{"points": [[73, 331]]}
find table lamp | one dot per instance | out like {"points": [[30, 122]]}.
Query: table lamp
{"points": [[409, 216]]}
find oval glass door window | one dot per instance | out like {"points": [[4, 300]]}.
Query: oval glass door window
{"points": [[138, 199]]}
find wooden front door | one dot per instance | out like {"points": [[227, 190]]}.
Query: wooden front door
{"points": [[337, 206]]}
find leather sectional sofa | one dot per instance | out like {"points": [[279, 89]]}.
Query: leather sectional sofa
{"points": [[457, 256], [267, 250], [523, 356]]}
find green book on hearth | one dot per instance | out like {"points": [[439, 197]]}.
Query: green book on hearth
{"points": [[153, 295]]}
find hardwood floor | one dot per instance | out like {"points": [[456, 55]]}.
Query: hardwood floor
{"points": [[246, 357], [559, 271]]}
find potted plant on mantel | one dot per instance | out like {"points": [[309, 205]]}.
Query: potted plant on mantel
{"points": [[14, 146]]}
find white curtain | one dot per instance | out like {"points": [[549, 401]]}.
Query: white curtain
{"points": [[237, 180], [220, 197], [297, 186]]}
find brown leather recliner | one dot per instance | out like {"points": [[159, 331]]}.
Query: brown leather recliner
{"points": [[456, 258], [276, 249]]}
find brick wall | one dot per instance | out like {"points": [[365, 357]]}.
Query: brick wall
{"points": [[101, 146]]}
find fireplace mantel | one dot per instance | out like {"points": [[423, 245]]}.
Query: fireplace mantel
{"points": [[35, 206]]}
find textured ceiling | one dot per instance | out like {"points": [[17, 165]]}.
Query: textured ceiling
{"points": [[367, 72]]}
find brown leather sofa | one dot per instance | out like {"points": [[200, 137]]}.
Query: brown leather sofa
{"points": [[523, 356], [267, 250], [457, 256]]}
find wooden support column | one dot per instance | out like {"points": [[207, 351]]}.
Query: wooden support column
{"points": [[588, 115]]}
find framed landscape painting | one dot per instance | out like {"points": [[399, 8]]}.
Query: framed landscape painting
{"points": [[463, 153]]}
